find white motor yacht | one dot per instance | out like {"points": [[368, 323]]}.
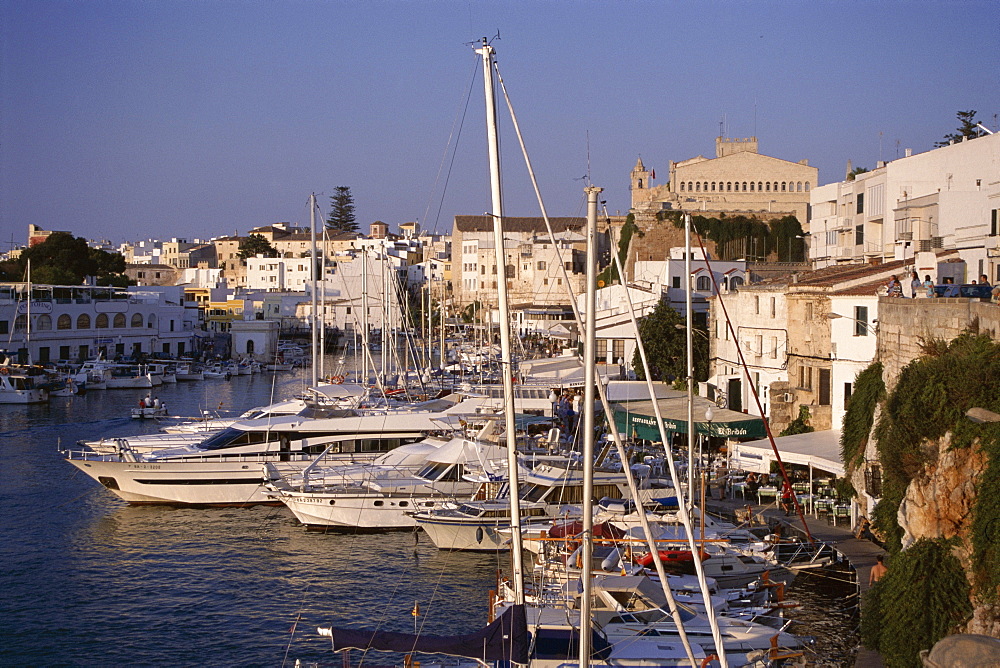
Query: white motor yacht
{"points": [[19, 385], [551, 489], [381, 495], [227, 467]]}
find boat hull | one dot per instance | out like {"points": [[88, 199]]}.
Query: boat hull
{"points": [[470, 535], [367, 513], [228, 483], [33, 396]]}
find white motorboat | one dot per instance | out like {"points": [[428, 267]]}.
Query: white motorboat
{"points": [[120, 376], [18, 385], [552, 489], [227, 467], [148, 412], [188, 371], [381, 495]]}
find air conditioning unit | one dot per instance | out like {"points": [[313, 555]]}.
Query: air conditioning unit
{"points": [[923, 245], [788, 397], [937, 242]]}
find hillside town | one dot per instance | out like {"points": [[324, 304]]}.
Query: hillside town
{"points": [[796, 289]]}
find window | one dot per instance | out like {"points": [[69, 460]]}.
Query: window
{"points": [[735, 282], [824, 387], [64, 352], [4, 326], [64, 322], [993, 222], [83, 322], [675, 282], [860, 321], [782, 186], [809, 310], [860, 208], [729, 185], [848, 389], [119, 321], [759, 345], [756, 304], [805, 377], [859, 235], [101, 322], [751, 186], [773, 306], [249, 346], [137, 320], [774, 347], [152, 321], [43, 323], [704, 284]]}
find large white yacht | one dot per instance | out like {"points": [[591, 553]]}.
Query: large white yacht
{"points": [[228, 466]]}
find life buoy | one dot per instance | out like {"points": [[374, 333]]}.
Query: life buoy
{"points": [[337, 380], [4, 371]]}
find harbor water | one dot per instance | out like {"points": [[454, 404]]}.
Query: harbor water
{"points": [[90, 581]]}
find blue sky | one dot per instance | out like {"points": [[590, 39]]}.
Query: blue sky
{"points": [[125, 120]]}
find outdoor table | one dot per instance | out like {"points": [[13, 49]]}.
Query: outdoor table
{"points": [[767, 491]]}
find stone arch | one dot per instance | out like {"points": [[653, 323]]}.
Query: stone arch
{"points": [[751, 186]]}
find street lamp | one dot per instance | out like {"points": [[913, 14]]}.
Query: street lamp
{"points": [[693, 329], [874, 331]]}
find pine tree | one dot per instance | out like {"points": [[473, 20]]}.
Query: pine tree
{"points": [[341, 216], [967, 128]]}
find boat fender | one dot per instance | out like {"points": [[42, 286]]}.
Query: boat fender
{"points": [[479, 534], [4, 371], [337, 380]]}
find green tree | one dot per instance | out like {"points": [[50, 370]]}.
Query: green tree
{"points": [[341, 216], [256, 244], [664, 338], [966, 128], [851, 175], [63, 259]]}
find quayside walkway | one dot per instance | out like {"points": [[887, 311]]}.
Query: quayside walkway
{"points": [[859, 553]]}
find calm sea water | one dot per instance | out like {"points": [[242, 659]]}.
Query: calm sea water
{"points": [[90, 581]]}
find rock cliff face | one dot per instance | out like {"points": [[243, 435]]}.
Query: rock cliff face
{"points": [[938, 504]]}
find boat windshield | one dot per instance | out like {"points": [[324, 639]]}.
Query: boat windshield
{"points": [[534, 492], [231, 438], [441, 471]]}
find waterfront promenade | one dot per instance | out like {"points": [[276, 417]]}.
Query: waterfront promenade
{"points": [[860, 553]]}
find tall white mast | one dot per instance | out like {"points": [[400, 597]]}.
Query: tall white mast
{"points": [[587, 450], [506, 365], [312, 273], [689, 321]]}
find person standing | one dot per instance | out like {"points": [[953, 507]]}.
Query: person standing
{"points": [[878, 570], [916, 286], [928, 286]]}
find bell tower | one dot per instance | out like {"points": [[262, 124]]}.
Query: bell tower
{"points": [[640, 182]]}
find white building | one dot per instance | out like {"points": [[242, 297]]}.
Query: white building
{"points": [[75, 323], [946, 198], [667, 277]]}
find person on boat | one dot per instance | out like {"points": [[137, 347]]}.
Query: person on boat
{"points": [[148, 401], [156, 402], [142, 403]]}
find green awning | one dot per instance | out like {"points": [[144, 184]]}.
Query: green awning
{"points": [[637, 418]]}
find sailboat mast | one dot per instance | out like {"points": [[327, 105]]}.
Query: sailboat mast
{"points": [[312, 262], [689, 323], [587, 449], [506, 365]]}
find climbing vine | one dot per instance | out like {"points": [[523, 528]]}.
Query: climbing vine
{"points": [[923, 597], [869, 390], [799, 425]]}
